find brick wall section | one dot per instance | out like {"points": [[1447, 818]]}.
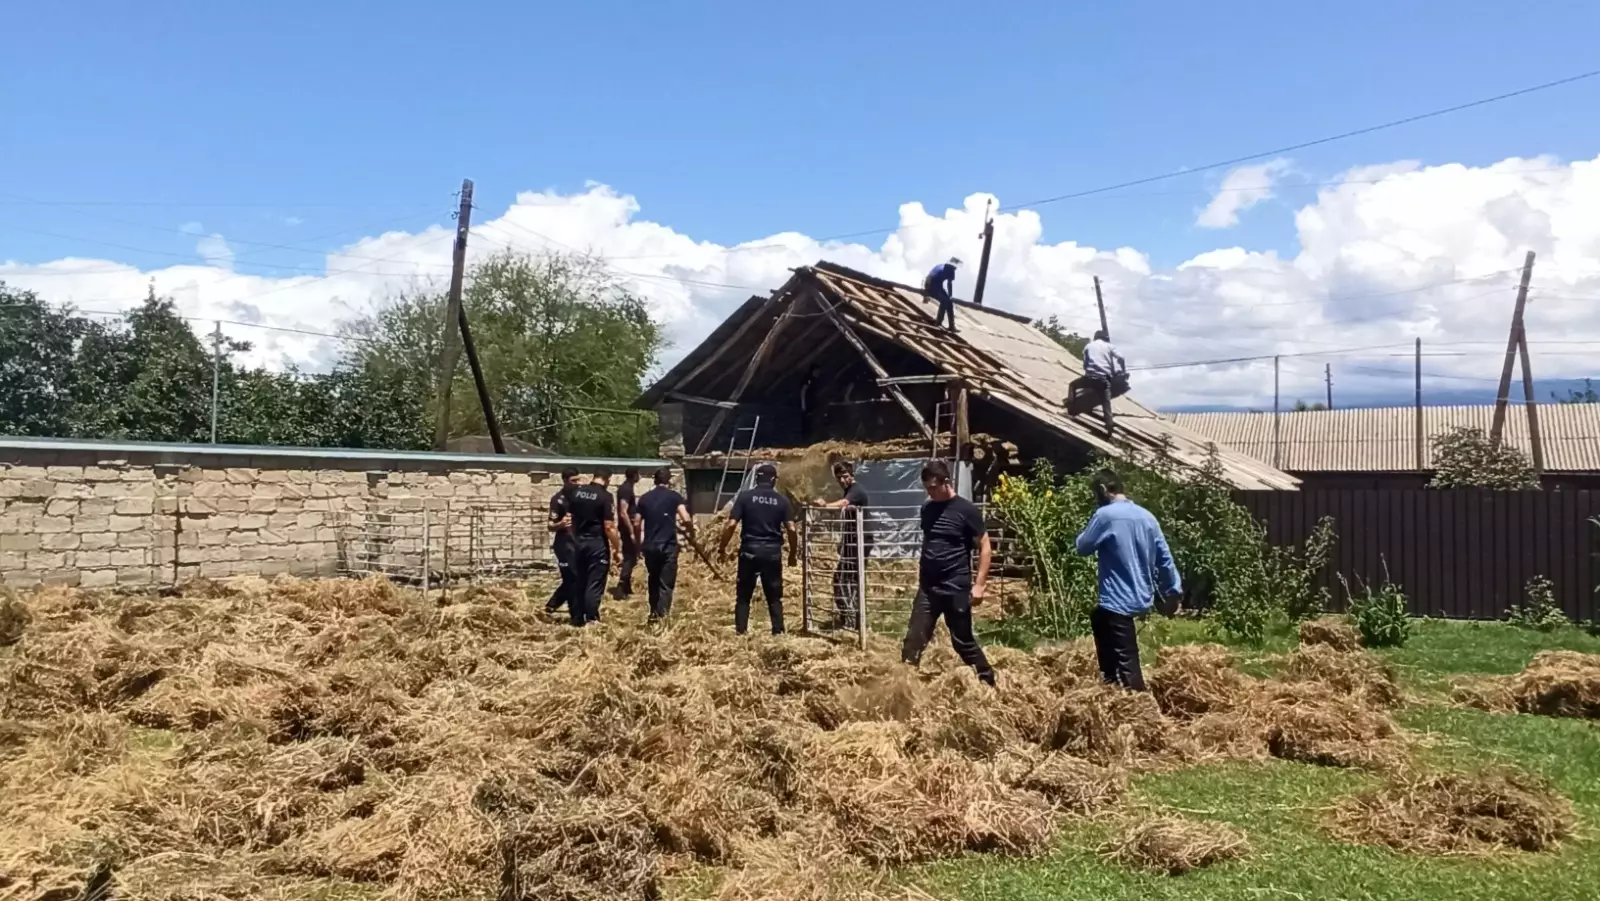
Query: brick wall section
{"points": [[89, 519]]}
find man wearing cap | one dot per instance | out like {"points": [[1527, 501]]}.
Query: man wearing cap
{"points": [[763, 518], [561, 545], [952, 528], [941, 285], [846, 575], [659, 511], [594, 532]]}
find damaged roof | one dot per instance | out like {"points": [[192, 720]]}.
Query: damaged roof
{"points": [[1000, 356]]}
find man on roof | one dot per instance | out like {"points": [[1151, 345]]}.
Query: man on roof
{"points": [[1105, 375], [940, 285]]}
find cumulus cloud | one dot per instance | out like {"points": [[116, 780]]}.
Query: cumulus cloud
{"points": [[1241, 189], [215, 251], [1393, 253]]}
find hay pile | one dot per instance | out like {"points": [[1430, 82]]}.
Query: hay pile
{"points": [[1333, 631], [1175, 845], [1451, 814], [1555, 683], [1357, 673], [260, 739]]}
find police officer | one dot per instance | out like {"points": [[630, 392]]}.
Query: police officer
{"points": [[630, 535], [562, 544], [594, 533], [846, 576], [952, 527], [659, 511], [763, 518]]}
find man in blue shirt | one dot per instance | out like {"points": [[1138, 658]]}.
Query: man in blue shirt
{"points": [[941, 285], [1130, 551]]}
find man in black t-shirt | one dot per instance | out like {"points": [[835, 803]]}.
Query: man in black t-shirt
{"points": [[952, 527], [763, 518], [630, 536], [594, 533], [846, 572], [562, 544], [659, 511]]}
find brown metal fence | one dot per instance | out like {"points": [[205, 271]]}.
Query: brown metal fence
{"points": [[1460, 553]]}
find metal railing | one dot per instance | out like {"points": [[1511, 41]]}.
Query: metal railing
{"points": [[859, 568], [438, 543]]}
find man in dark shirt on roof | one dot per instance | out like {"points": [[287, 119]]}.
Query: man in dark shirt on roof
{"points": [[763, 518], [594, 533], [562, 544], [952, 527], [630, 535], [846, 572], [941, 285], [659, 511]]}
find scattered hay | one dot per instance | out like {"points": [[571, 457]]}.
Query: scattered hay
{"points": [[1073, 784], [1174, 845], [1451, 813], [1311, 723], [1332, 631], [1110, 725], [14, 619], [1193, 680], [1555, 683], [1357, 673]]}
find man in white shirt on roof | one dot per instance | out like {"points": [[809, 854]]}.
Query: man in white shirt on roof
{"points": [[1102, 366]]}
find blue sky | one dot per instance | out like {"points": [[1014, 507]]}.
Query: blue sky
{"points": [[730, 121]]}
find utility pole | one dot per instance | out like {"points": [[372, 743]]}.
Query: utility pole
{"points": [[490, 421], [1100, 302], [450, 349], [216, 376], [1277, 419], [983, 263], [1535, 440], [1419, 436], [1327, 376], [1503, 397]]}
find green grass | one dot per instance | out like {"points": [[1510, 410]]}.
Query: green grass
{"points": [[1279, 805]]}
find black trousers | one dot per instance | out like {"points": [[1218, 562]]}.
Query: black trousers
{"points": [[568, 585], [947, 310], [846, 586], [1116, 644], [956, 608], [661, 577], [770, 571], [591, 561], [1092, 391], [630, 557]]}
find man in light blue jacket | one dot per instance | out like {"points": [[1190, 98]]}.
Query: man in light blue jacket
{"points": [[1132, 555]]}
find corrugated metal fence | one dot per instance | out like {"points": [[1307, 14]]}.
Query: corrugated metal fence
{"points": [[1464, 553]]}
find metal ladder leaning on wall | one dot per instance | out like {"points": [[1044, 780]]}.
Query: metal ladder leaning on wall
{"points": [[744, 458]]}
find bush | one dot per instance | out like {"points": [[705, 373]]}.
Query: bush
{"points": [[1540, 612], [1381, 615], [1228, 568], [1466, 458]]}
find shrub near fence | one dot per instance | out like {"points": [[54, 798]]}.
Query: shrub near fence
{"points": [[1460, 553]]}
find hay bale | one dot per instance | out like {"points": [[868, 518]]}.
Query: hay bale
{"points": [[1175, 845], [1358, 674], [1453, 813], [1332, 631], [1559, 683], [1192, 680]]}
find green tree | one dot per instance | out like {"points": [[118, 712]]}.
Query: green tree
{"points": [[559, 339], [1574, 396], [1057, 332], [1300, 406], [1466, 458], [37, 346]]}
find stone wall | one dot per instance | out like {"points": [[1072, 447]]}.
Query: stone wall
{"points": [[124, 515]]}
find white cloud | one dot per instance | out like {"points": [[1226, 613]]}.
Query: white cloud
{"points": [[1397, 252], [1242, 188], [215, 251]]}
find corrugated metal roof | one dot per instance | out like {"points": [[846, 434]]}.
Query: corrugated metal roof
{"points": [[1384, 440]]}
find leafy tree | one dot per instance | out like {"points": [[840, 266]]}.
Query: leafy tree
{"points": [[1300, 406], [559, 339], [1574, 396], [37, 345], [1466, 458], [1053, 327]]}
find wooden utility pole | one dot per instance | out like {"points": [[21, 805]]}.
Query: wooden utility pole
{"points": [[1100, 301], [490, 421], [216, 376], [1534, 438], [1277, 419], [983, 262], [1419, 437], [450, 349], [1327, 376], [1503, 397]]}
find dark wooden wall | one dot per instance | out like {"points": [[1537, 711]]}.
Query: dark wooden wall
{"points": [[1461, 553]]}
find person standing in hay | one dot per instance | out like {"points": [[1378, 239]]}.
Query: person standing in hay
{"points": [[846, 575], [763, 518], [630, 535], [952, 528], [562, 545], [659, 511], [594, 532], [1132, 555]]}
